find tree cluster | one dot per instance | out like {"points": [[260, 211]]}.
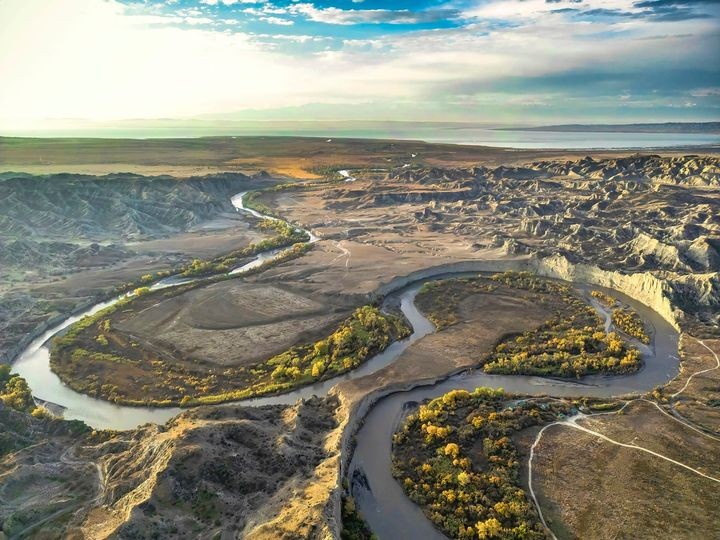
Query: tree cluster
{"points": [[456, 459]]}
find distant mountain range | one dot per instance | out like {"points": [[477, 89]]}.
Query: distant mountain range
{"points": [[666, 127]]}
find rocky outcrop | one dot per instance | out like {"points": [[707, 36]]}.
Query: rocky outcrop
{"points": [[55, 225], [623, 214], [644, 287], [688, 170]]}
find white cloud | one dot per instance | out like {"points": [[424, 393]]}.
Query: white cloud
{"points": [[706, 92], [277, 20], [373, 43], [231, 2]]}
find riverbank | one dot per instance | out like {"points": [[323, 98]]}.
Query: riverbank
{"points": [[377, 408]]}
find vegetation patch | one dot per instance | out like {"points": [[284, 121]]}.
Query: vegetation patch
{"points": [[354, 527], [456, 459], [286, 235], [95, 358], [605, 299], [18, 429], [625, 318], [572, 342], [367, 332], [15, 392], [629, 321]]}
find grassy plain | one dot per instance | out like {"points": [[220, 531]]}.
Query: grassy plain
{"points": [[589, 487], [296, 157], [105, 356]]}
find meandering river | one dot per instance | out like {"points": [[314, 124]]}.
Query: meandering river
{"points": [[378, 496], [33, 363]]}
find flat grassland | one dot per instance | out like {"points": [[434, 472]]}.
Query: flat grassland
{"points": [[199, 344], [297, 157], [590, 487]]}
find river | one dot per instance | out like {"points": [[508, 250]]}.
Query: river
{"points": [[378, 496], [33, 363]]}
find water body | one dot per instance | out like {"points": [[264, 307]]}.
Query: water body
{"points": [[438, 132], [572, 141], [34, 362], [378, 496]]}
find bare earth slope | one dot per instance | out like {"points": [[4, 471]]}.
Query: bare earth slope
{"points": [[64, 238], [213, 471]]}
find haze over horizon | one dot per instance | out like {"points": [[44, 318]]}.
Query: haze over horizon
{"points": [[78, 64]]}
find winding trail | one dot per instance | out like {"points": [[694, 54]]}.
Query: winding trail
{"points": [[381, 499], [690, 378], [530, 478], [71, 507], [573, 422], [345, 253], [681, 420]]}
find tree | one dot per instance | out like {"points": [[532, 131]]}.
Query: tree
{"points": [[490, 528], [452, 449]]}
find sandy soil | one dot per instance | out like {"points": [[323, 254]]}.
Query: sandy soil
{"points": [[234, 322], [484, 320]]}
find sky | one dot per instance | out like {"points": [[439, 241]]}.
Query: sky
{"points": [[496, 61]]}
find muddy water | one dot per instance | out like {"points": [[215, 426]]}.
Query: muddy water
{"points": [[380, 498]]}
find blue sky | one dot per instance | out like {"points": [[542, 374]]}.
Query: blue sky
{"points": [[507, 61]]}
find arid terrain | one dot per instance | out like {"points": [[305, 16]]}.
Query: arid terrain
{"points": [[612, 485], [637, 214], [208, 472], [66, 239], [381, 221]]}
